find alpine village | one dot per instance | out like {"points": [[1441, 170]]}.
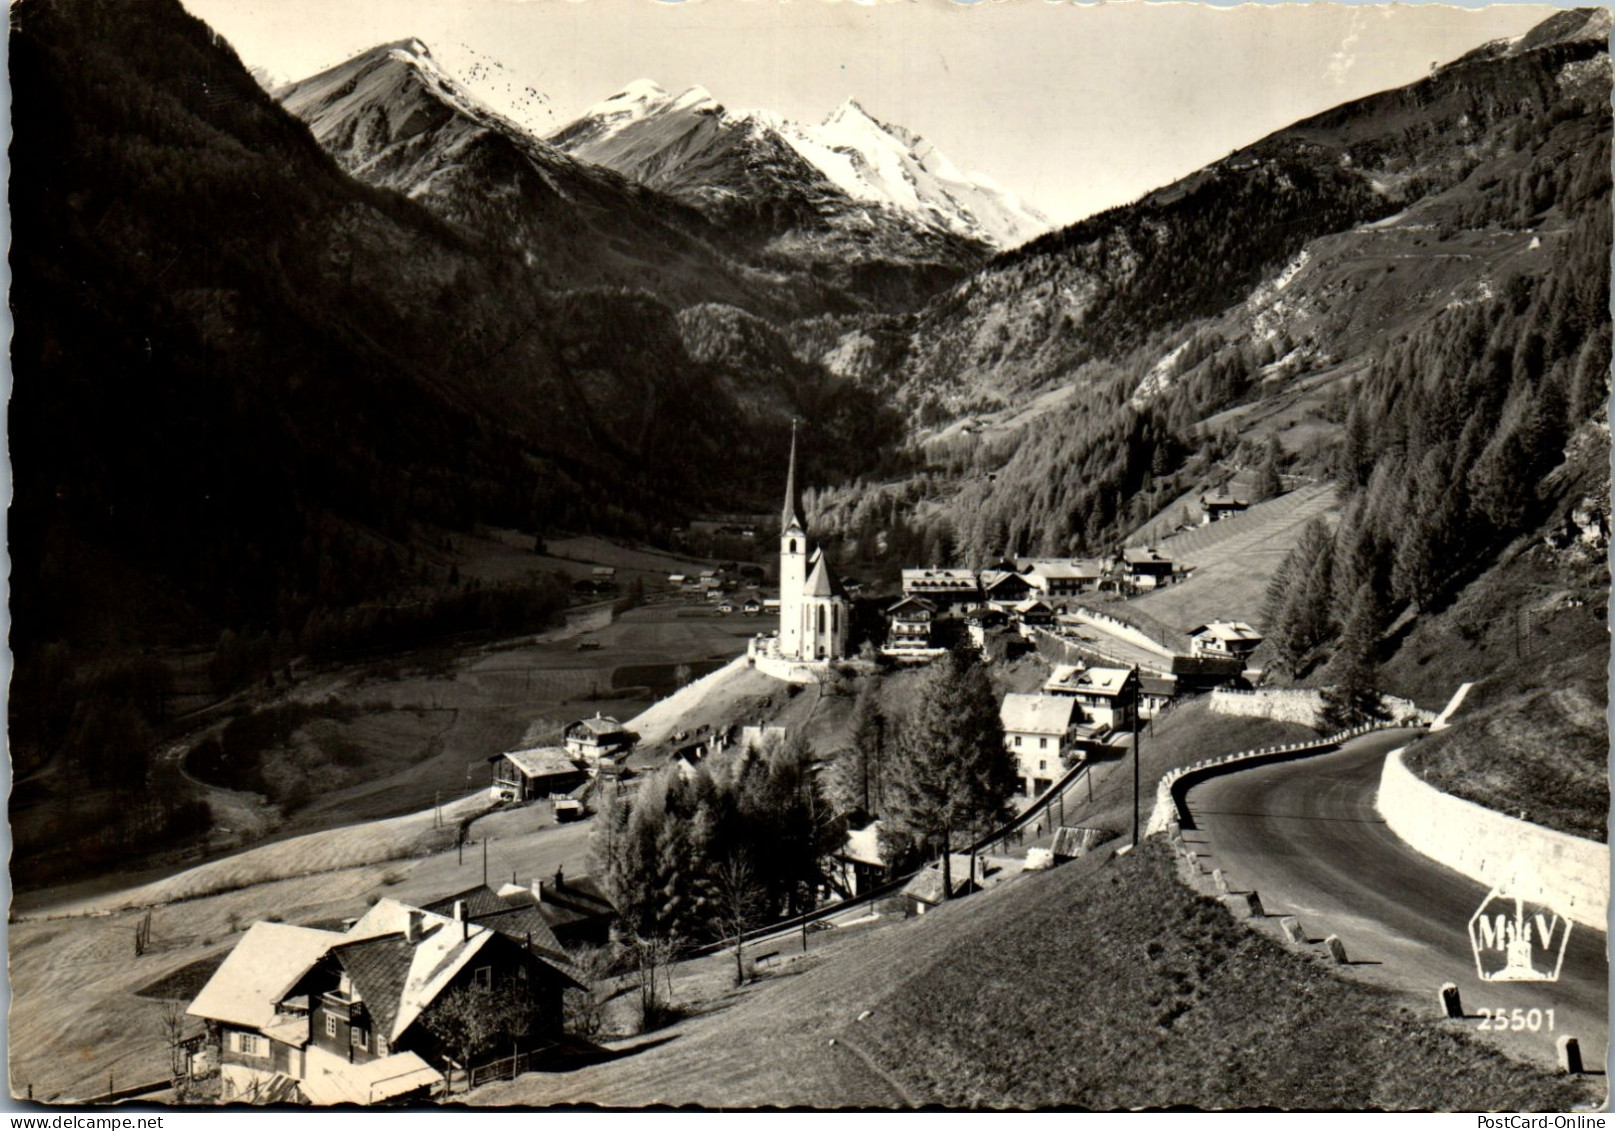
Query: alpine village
{"points": [[633, 613]]}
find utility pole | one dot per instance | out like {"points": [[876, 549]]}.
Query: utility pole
{"points": [[1135, 754], [485, 854]]}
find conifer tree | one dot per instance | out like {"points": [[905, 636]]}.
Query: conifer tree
{"points": [[951, 774]]}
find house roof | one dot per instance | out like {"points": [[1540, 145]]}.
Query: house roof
{"points": [[333, 1081], [1158, 684], [600, 724], [1066, 571], [926, 885], [863, 845], [1230, 631], [1101, 681], [1037, 714], [542, 762], [1064, 675], [575, 901], [1143, 556], [512, 912], [993, 578], [380, 969], [1032, 605], [444, 948], [262, 968], [912, 602], [1222, 499]]}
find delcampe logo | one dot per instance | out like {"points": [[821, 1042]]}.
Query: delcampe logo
{"points": [[1517, 939]]}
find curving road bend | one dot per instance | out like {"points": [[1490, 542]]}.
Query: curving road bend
{"points": [[1306, 837]]}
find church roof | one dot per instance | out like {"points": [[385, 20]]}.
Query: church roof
{"points": [[820, 583]]}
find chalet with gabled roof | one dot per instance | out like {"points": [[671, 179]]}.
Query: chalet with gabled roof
{"points": [[346, 1017], [525, 775], [1222, 505], [590, 740], [1224, 638], [913, 620]]}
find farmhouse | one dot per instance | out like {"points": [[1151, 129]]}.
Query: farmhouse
{"points": [[1225, 638], [1033, 613], [1222, 505], [1002, 588], [925, 890], [862, 864], [1064, 579], [1038, 731], [912, 620], [600, 737], [1144, 568], [525, 775], [349, 1017]]}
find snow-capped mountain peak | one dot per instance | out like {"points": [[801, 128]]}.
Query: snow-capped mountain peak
{"points": [[869, 160]]}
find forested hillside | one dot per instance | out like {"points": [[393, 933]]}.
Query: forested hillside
{"points": [[1423, 272], [250, 389]]}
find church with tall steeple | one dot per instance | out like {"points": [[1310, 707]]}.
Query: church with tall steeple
{"points": [[813, 609]]}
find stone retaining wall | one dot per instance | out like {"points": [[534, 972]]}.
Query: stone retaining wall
{"points": [[1302, 705], [1567, 873]]}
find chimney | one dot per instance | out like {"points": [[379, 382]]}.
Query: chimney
{"points": [[538, 891], [459, 917], [412, 928], [559, 880]]}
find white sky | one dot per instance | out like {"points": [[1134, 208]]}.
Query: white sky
{"points": [[1077, 108]]}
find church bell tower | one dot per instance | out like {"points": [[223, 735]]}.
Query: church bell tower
{"points": [[793, 554]]}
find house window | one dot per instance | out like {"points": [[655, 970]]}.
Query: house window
{"points": [[361, 1037], [249, 1044], [1042, 765], [330, 1025], [1017, 740], [790, 547], [484, 976], [381, 1044], [521, 972], [1042, 744]]}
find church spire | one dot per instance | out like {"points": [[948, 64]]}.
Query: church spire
{"points": [[792, 515]]}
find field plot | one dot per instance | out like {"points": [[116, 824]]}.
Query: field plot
{"points": [[493, 556], [1234, 560]]}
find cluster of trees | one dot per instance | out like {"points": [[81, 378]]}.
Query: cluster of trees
{"points": [[664, 849], [745, 839]]}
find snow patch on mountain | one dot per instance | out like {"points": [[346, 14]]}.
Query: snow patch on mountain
{"points": [[869, 160]]}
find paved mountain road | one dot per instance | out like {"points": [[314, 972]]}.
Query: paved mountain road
{"points": [[1306, 837]]}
